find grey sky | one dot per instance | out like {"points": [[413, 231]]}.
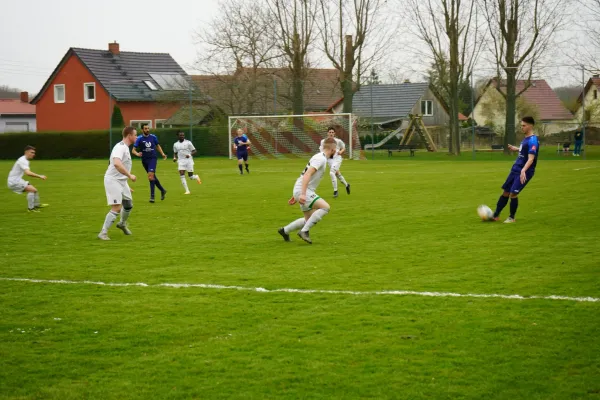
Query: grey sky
{"points": [[36, 34]]}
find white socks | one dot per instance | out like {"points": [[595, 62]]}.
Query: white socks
{"points": [[333, 181], [316, 217], [110, 219], [184, 183], [125, 214], [37, 199], [30, 200], [341, 178], [194, 177], [294, 225]]}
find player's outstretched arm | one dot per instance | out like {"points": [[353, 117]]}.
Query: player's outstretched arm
{"points": [[33, 174], [162, 153]]}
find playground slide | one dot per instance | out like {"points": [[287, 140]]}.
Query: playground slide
{"points": [[386, 139]]}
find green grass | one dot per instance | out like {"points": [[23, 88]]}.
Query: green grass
{"points": [[409, 224]]}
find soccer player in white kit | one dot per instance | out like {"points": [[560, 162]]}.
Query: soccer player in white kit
{"points": [[18, 185], [336, 162], [118, 193], [183, 150], [313, 206]]}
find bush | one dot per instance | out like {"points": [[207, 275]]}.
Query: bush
{"points": [[209, 141]]}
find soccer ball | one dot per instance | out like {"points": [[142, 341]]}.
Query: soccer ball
{"points": [[485, 213]]}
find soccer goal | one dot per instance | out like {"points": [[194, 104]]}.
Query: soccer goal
{"points": [[281, 136]]}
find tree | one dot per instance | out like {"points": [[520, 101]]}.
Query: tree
{"points": [[521, 34], [450, 31], [295, 21], [116, 119], [464, 87], [588, 51], [352, 55], [239, 47]]}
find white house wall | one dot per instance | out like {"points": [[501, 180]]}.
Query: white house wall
{"points": [[4, 127]]}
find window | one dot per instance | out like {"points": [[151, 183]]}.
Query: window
{"points": [[59, 93], [595, 95], [89, 92], [137, 123], [427, 107], [160, 123], [151, 85]]}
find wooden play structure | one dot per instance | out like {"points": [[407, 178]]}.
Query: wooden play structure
{"points": [[416, 125]]}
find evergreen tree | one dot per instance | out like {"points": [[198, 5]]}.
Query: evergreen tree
{"points": [[117, 120]]}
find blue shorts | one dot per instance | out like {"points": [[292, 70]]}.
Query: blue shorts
{"points": [[149, 164], [242, 155], [513, 182]]}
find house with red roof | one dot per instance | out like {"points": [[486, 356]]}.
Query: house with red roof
{"points": [[537, 99], [592, 102], [81, 92], [267, 91], [17, 115]]}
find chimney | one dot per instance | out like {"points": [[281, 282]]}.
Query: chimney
{"points": [[25, 97], [114, 48]]}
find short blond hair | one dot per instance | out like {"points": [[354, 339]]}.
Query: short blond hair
{"points": [[128, 130], [329, 143]]}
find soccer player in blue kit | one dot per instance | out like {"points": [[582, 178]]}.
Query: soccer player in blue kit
{"points": [[240, 145], [145, 146], [521, 172]]}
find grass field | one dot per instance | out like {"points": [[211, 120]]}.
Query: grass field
{"points": [[410, 224]]}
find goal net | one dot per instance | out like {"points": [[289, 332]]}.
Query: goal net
{"points": [[282, 136]]}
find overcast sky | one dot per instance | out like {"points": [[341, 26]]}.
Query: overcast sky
{"points": [[36, 34]]}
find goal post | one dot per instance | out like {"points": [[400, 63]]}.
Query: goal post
{"points": [[285, 136]]}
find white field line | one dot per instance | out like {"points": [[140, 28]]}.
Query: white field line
{"points": [[580, 169], [307, 291]]}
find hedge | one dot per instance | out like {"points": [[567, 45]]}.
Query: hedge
{"points": [[209, 141]]}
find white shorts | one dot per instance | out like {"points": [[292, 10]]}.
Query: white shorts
{"points": [[117, 190], [311, 197], [17, 186], [334, 164], [185, 164]]}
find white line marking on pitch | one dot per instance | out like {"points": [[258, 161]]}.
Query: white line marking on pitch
{"points": [[308, 291], [579, 169]]}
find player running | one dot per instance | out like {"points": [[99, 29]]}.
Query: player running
{"points": [[336, 162], [146, 146], [521, 172], [183, 150], [18, 185], [118, 193], [240, 145], [313, 206]]}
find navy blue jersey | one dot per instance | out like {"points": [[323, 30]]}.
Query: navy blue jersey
{"points": [[529, 145], [240, 142], [147, 146]]}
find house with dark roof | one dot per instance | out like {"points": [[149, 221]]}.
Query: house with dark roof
{"points": [[17, 115], [81, 92], [592, 102], [267, 91], [537, 98], [390, 103]]}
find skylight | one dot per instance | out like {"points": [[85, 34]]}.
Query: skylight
{"points": [[170, 81], [151, 85]]}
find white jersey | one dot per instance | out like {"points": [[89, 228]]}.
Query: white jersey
{"points": [[339, 145], [183, 149], [120, 151], [18, 170], [319, 162]]}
